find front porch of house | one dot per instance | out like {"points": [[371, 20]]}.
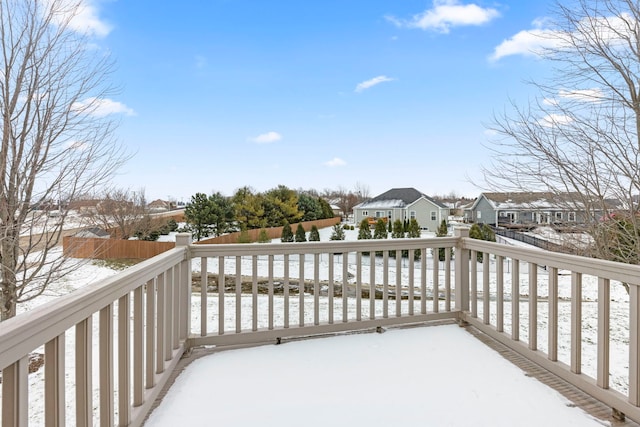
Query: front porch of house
{"points": [[128, 333]]}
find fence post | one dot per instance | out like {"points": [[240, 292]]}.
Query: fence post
{"points": [[183, 240], [462, 270]]}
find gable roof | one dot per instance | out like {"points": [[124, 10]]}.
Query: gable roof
{"points": [[529, 200], [397, 198]]}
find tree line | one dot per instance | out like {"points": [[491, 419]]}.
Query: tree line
{"points": [[216, 214]]}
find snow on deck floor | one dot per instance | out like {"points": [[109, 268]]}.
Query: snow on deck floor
{"points": [[435, 376]]}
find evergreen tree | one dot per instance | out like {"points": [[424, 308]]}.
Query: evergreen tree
{"points": [[248, 208], [310, 207], [199, 216], [442, 231], [380, 231], [413, 231], [314, 234], [280, 204], [287, 234], [244, 236], [300, 234], [488, 234], [390, 224], [398, 230], [338, 233], [263, 237], [327, 212], [364, 231], [475, 232]]}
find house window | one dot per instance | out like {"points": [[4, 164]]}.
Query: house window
{"points": [[388, 214], [559, 216], [571, 216], [365, 213], [379, 214], [479, 215], [434, 216], [412, 214]]}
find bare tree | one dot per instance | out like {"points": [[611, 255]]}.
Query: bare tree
{"points": [[56, 143], [580, 138], [124, 213]]}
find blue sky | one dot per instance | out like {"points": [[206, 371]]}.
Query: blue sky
{"points": [[219, 94]]}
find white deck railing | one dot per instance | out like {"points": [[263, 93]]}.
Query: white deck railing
{"points": [[138, 324]]}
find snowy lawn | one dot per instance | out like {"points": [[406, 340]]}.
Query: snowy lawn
{"points": [[440, 376]]}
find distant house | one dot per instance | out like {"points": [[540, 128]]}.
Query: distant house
{"points": [[93, 233], [526, 208], [403, 204], [159, 205], [84, 207]]}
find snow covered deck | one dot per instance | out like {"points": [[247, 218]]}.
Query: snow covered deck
{"points": [[436, 375]]}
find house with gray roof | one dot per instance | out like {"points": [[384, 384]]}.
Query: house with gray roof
{"points": [[526, 208], [403, 204]]}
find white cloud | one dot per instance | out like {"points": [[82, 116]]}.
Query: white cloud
{"points": [[611, 30], [102, 107], [446, 14], [553, 120], [372, 82], [335, 162], [266, 138], [589, 95], [86, 19]]}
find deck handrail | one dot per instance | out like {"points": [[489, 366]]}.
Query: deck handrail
{"points": [[159, 316]]}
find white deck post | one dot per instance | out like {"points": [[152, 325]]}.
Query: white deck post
{"points": [[462, 271]]}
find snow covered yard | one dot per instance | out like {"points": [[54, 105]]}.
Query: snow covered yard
{"points": [[439, 376]]}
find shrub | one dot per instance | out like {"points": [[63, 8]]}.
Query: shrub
{"points": [[263, 237], [398, 230], [287, 234], [300, 234], [314, 234], [364, 232], [380, 232], [244, 236], [338, 232]]}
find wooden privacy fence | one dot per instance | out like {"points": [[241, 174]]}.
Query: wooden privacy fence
{"points": [[272, 232], [81, 247]]}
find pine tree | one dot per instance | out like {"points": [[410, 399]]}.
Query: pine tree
{"points": [[442, 231], [413, 231], [398, 230], [364, 231], [475, 232], [244, 236], [390, 224], [488, 234], [338, 233], [300, 234], [287, 234], [263, 237], [314, 234], [380, 231]]}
